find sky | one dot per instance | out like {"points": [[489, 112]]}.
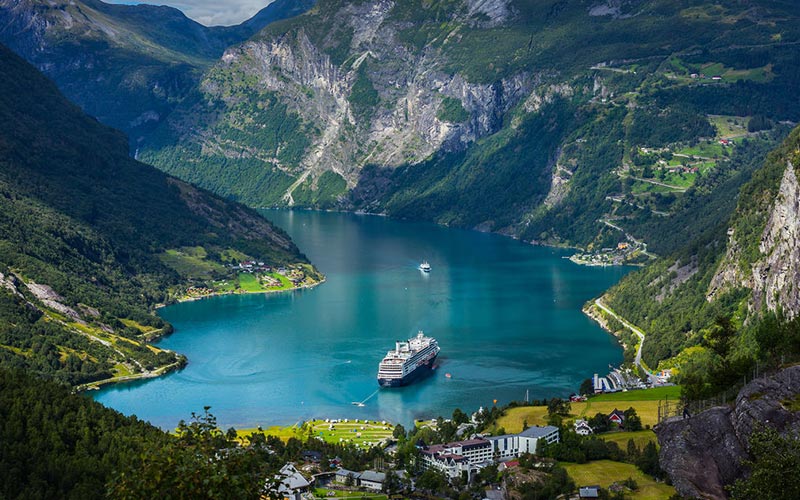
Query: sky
{"points": [[210, 12]]}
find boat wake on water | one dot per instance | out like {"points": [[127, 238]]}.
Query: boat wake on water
{"points": [[363, 402]]}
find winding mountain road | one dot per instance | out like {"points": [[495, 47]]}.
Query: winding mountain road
{"points": [[638, 359]]}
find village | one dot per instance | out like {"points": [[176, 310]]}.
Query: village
{"points": [[252, 276], [476, 454]]}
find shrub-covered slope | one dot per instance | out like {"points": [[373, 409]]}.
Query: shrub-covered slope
{"points": [[721, 281], [83, 230]]}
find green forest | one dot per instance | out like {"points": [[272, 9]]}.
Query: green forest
{"points": [[82, 228]]}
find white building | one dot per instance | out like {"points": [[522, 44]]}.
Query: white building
{"points": [[511, 446], [583, 428], [454, 459], [290, 483], [372, 480]]}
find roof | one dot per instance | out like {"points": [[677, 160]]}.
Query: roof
{"points": [[469, 443], [345, 473], [617, 413], [538, 432], [373, 476], [589, 492], [290, 479]]}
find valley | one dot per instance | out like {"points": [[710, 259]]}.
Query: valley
{"points": [[652, 143]]}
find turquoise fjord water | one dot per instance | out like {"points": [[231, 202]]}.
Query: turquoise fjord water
{"points": [[507, 316]]}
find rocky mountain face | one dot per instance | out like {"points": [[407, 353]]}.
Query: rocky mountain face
{"points": [[763, 253], [703, 454], [372, 100], [489, 114], [127, 65]]}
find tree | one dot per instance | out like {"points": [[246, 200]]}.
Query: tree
{"points": [[399, 432], [774, 468], [599, 423], [459, 417], [200, 462], [558, 406], [587, 387], [648, 461], [632, 421]]}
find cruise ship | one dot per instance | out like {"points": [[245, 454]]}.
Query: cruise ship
{"points": [[408, 361]]}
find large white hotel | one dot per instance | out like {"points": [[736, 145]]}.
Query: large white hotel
{"points": [[455, 459]]}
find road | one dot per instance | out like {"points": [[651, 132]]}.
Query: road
{"points": [[638, 359]]}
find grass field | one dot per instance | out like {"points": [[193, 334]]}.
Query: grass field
{"points": [[645, 402], [641, 438], [191, 262], [605, 472], [654, 394], [362, 433], [729, 126], [326, 493], [249, 283]]}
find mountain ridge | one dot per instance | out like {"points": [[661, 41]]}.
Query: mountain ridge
{"points": [[84, 231]]}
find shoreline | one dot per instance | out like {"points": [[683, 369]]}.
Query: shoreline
{"points": [[241, 292], [162, 370], [163, 332]]}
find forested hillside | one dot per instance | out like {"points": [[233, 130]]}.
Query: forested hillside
{"points": [[726, 296], [84, 231], [127, 65], [540, 120]]}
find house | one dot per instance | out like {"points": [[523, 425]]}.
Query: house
{"points": [[589, 492], [312, 456], [583, 428], [342, 476], [290, 483], [372, 480], [617, 417], [507, 465]]}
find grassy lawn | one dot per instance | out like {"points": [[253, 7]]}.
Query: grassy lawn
{"points": [[729, 126], [645, 402], [325, 493], [641, 438], [654, 394], [684, 179], [639, 187], [605, 472], [191, 262], [285, 282], [707, 150], [361, 433], [249, 283]]}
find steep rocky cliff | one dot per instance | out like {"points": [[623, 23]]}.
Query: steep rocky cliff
{"points": [[127, 65], [769, 266], [703, 454], [489, 114], [372, 100]]}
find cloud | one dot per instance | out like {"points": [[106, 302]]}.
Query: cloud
{"points": [[210, 12]]}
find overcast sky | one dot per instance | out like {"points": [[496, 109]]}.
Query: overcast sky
{"points": [[210, 12]]}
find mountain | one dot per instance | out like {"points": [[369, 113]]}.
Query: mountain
{"points": [[527, 118], [725, 298], [127, 65], [93, 240]]}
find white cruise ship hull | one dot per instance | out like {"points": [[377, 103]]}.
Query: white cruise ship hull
{"points": [[420, 372]]}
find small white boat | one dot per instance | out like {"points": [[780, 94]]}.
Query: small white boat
{"points": [[425, 266]]}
